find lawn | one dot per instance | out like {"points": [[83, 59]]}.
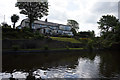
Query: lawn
{"points": [[44, 49], [65, 39]]}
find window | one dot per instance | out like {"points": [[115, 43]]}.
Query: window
{"points": [[33, 27], [36, 26], [47, 30], [68, 28], [26, 24], [60, 31], [42, 26], [54, 27]]}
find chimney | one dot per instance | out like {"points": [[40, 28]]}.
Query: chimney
{"points": [[46, 20]]}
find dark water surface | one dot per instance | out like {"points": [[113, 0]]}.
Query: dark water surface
{"points": [[62, 65]]}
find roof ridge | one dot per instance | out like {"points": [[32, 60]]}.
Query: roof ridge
{"points": [[49, 23]]}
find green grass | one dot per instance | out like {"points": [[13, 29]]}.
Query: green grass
{"points": [[76, 48], [72, 40], [54, 49], [49, 49], [68, 49], [31, 49]]}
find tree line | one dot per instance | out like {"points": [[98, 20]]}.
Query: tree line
{"points": [[109, 25], [110, 30]]}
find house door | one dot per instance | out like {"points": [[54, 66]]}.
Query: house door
{"points": [[43, 30]]}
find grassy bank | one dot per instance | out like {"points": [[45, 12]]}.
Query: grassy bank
{"points": [[34, 51], [44, 49], [65, 39], [26, 39]]}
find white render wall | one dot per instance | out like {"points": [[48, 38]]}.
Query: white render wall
{"points": [[62, 29]]}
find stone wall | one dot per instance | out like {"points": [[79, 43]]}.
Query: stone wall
{"points": [[32, 44]]}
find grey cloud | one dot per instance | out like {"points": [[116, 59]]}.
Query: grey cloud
{"points": [[58, 15], [72, 6], [105, 7], [91, 19]]}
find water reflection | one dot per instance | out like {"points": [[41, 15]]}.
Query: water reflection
{"points": [[88, 68], [16, 75], [79, 65], [110, 64]]}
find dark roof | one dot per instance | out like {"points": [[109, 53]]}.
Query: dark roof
{"points": [[45, 23]]}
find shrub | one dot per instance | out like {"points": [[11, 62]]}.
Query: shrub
{"points": [[67, 47], [83, 40], [46, 47], [15, 47], [30, 45], [48, 39], [38, 36], [90, 44], [24, 29], [76, 37]]}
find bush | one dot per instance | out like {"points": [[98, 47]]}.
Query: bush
{"points": [[67, 47], [65, 36], [84, 40], [38, 36], [30, 45], [46, 47], [76, 37], [48, 39], [15, 47], [24, 33], [24, 29]]}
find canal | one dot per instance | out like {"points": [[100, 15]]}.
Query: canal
{"points": [[62, 65]]}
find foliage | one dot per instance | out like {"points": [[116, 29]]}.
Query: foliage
{"points": [[86, 34], [46, 47], [33, 10], [108, 23], [90, 44], [74, 24], [74, 31], [38, 36], [5, 25], [65, 35], [76, 48], [67, 47], [48, 39], [15, 47], [14, 19], [110, 30], [25, 33], [84, 40], [72, 40]]}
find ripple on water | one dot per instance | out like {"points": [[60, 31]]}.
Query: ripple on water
{"points": [[86, 68]]}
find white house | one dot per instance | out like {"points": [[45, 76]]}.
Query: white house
{"points": [[45, 27]]}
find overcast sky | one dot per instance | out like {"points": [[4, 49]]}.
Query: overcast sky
{"points": [[85, 12]]}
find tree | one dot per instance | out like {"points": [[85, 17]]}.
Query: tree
{"points": [[14, 19], [74, 31], [33, 10], [74, 24], [110, 30], [4, 24], [92, 34], [108, 23]]}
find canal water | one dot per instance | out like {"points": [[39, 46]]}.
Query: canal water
{"points": [[62, 65]]}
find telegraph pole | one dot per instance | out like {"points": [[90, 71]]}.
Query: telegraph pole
{"points": [[4, 18], [119, 10]]}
